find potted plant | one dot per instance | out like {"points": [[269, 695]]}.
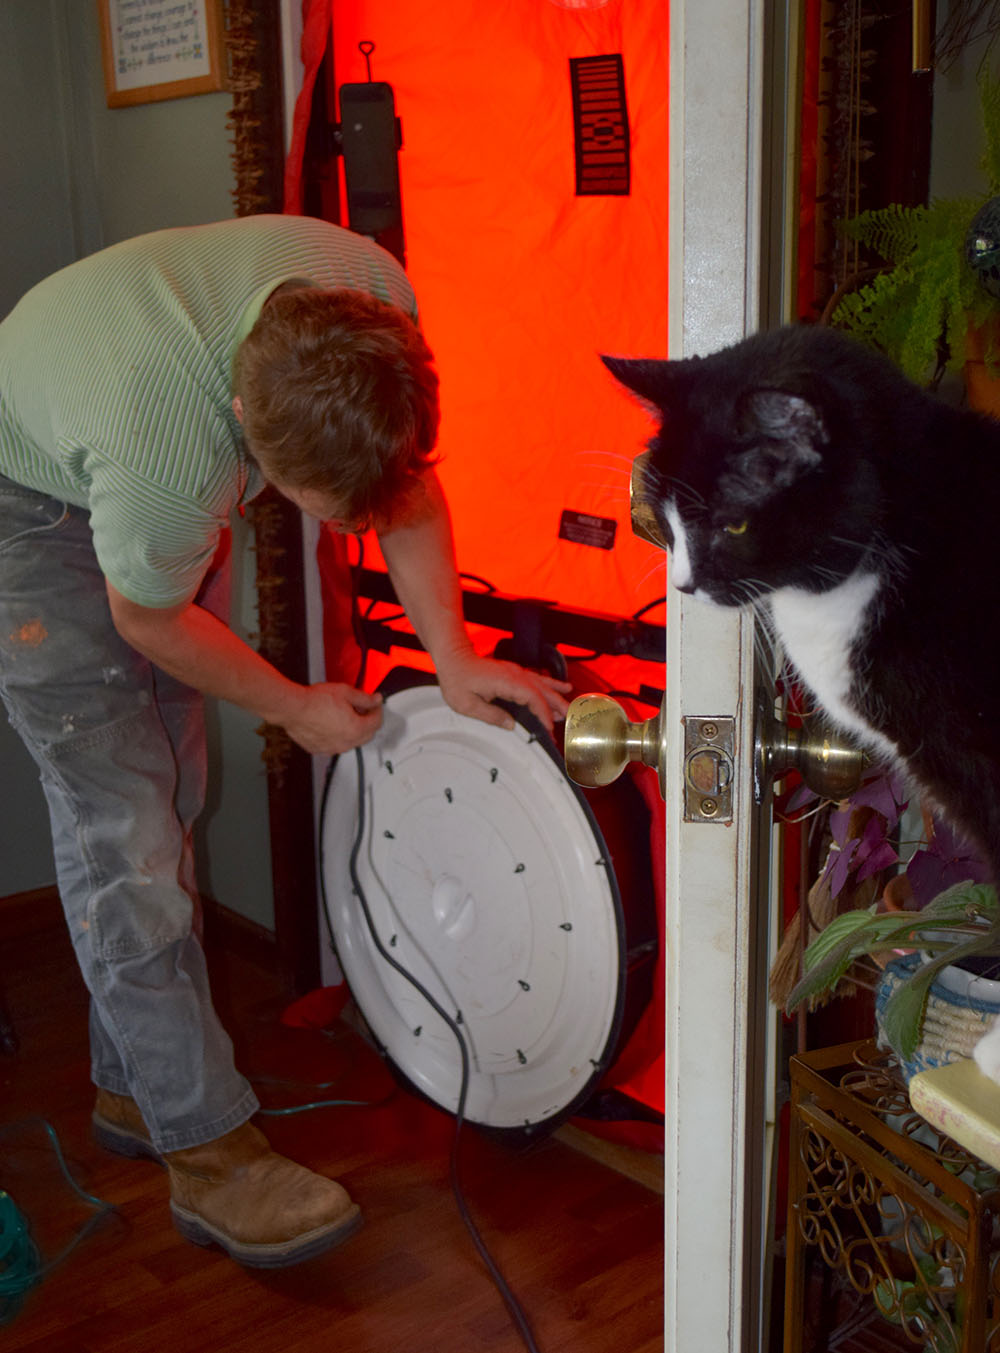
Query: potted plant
{"points": [[936, 911], [934, 304]]}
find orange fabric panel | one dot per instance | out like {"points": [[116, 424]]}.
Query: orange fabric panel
{"points": [[521, 284]]}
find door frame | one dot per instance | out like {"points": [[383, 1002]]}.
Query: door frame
{"points": [[726, 171]]}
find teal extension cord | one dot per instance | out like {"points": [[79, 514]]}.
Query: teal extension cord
{"points": [[21, 1264]]}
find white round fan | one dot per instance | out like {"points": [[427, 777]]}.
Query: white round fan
{"points": [[486, 877]]}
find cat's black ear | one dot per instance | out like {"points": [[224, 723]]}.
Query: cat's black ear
{"points": [[790, 433], [653, 380]]}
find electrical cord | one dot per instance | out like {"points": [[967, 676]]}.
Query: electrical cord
{"points": [[514, 1309], [319, 1104], [21, 1264], [510, 1301], [276, 1081]]}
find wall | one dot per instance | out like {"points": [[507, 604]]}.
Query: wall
{"points": [[957, 141], [78, 175]]}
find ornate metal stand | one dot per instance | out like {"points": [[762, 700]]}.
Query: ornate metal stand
{"points": [[899, 1213]]}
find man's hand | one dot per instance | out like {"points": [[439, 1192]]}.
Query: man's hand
{"points": [[196, 647], [332, 718], [470, 683], [420, 556]]}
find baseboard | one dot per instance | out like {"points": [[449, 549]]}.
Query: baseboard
{"points": [[234, 933], [644, 1167], [30, 911]]}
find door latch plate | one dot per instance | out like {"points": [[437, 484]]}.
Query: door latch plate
{"points": [[709, 761]]}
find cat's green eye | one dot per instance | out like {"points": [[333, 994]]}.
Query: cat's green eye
{"points": [[736, 529]]}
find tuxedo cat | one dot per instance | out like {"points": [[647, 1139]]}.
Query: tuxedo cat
{"points": [[800, 473]]}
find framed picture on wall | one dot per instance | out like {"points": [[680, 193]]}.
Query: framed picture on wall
{"points": [[161, 49]]}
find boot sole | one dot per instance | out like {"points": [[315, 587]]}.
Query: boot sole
{"points": [[122, 1141], [278, 1255]]}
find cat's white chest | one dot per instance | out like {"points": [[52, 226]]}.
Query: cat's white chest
{"points": [[818, 631]]}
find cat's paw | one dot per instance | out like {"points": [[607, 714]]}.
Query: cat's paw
{"points": [[987, 1052]]}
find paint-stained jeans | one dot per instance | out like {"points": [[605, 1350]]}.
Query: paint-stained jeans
{"points": [[120, 747]]}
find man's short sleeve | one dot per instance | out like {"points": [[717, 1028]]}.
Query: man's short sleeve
{"points": [[153, 545]]}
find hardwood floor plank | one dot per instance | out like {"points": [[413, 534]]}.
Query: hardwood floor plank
{"points": [[580, 1245]]}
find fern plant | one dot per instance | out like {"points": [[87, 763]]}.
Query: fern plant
{"points": [[919, 310]]}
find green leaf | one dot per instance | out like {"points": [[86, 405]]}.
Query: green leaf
{"points": [[848, 923], [927, 293], [903, 1016], [824, 976], [963, 901], [854, 934]]}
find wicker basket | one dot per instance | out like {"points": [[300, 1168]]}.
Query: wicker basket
{"points": [[961, 1007]]}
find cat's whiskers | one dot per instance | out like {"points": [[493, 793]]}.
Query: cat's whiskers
{"points": [[620, 464], [656, 565], [605, 453], [766, 643], [615, 493], [681, 492], [827, 575], [619, 474], [767, 654], [876, 547], [779, 667], [600, 453], [606, 473], [753, 589]]}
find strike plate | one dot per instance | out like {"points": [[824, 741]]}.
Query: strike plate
{"points": [[709, 760]]}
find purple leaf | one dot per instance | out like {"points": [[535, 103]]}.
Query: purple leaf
{"points": [[841, 867], [884, 794], [880, 858], [839, 823], [800, 797], [950, 845], [945, 861], [874, 852]]}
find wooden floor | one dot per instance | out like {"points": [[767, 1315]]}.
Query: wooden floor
{"points": [[580, 1245]]}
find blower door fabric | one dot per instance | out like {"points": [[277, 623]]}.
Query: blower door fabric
{"points": [[522, 282]]}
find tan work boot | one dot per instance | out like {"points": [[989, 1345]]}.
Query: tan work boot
{"points": [[118, 1126], [261, 1208]]}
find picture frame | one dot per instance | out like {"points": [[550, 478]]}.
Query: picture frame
{"points": [[161, 49]]}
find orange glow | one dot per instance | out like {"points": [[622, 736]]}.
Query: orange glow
{"points": [[522, 284]]}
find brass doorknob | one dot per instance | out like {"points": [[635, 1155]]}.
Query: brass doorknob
{"points": [[832, 767], [600, 741]]}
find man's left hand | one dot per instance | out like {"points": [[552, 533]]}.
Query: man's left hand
{"points": [[471, 683]]}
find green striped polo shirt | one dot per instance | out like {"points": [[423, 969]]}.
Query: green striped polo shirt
{"points": [[115, 383]]}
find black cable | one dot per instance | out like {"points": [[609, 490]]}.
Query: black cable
{"points": [[649, 606], [510, 1301], [484, 583]]}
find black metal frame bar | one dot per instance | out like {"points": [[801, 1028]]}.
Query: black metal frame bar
{"points": [[593, 631]]}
